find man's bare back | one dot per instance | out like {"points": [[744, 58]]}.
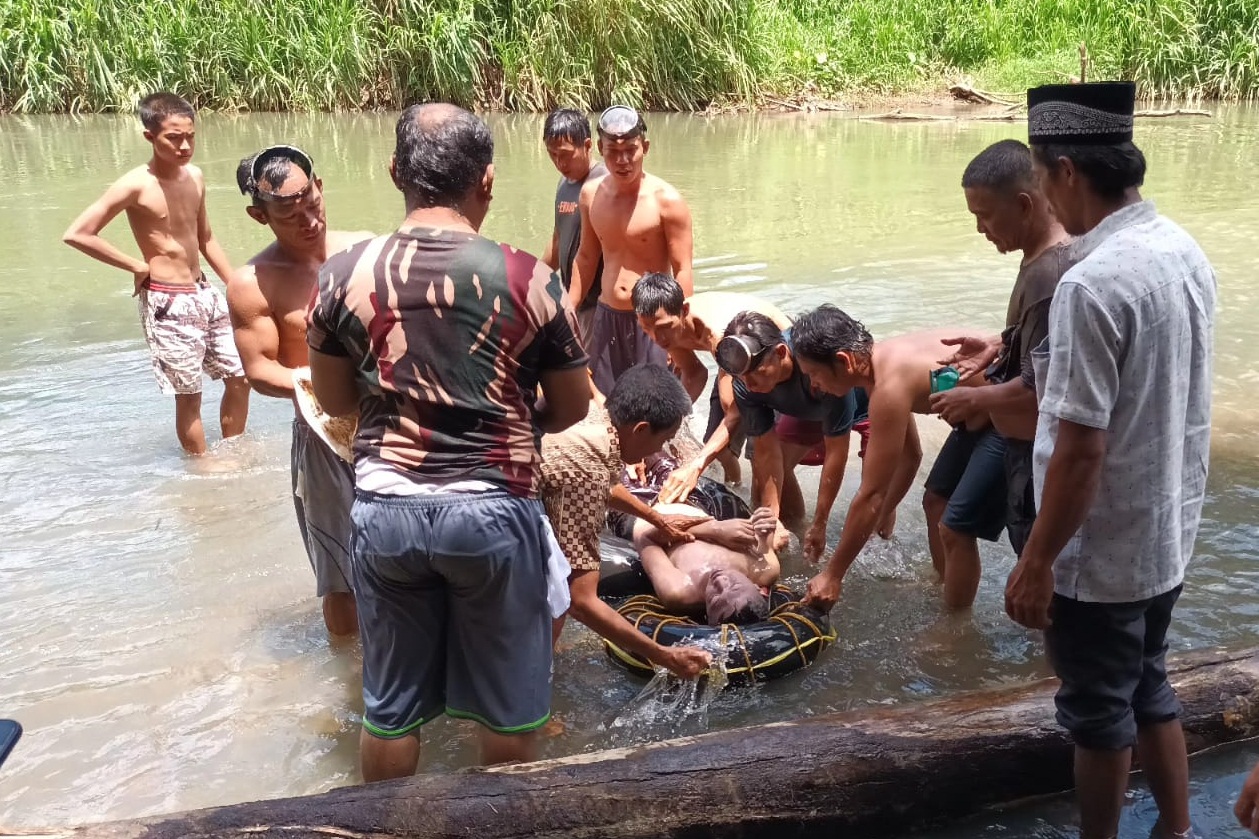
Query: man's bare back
{"points": [[904, 364], [713, 311]]}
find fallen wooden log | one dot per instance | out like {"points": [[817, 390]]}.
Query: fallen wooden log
{"points": [[898, 114], [967, 93], [1174, 112], [867, 773]]}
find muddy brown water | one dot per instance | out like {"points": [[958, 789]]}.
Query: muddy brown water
{"points": [[160, 640]]}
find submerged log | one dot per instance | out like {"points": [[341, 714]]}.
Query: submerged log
{"points": [[871, 772]]}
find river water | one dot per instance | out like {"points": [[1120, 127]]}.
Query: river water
{"points": [[160, 640]]}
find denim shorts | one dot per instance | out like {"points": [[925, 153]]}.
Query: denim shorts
{"points": [[452, 609], [970, 472]]}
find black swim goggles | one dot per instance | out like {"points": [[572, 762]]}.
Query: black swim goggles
{"points": [[292, 154], [740, 354]]}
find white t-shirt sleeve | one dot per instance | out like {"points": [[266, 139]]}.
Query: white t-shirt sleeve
{"points": [[1085, 348]]}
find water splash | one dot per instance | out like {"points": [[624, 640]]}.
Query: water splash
{"points": [[672, 707]]}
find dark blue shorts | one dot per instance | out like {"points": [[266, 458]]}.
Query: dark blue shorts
{"points": [[452, 609], [1112, 660], [970, 472]]}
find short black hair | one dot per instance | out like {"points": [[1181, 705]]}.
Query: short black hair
{"points": [[1109, 169], [648, 393], [755, 325], [1004, 167], [156, 107], [566, 124], [441, 152], [655, 291], [275, 171], [819, 334]]}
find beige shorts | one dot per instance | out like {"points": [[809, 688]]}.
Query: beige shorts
{"points": [[188, 331]]}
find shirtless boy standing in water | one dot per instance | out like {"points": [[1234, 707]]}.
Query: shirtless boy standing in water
{"points": [[639, 224], [184, 318], [267, 300]]}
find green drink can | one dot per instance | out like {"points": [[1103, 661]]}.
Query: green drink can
{"points": [[944, 379]]}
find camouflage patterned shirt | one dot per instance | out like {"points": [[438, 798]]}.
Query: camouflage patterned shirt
{"points": [[448, 333]]}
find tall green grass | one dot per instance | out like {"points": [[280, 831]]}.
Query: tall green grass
{"points": [[62, 55]]}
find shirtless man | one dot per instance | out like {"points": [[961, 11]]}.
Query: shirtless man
{"points": [[566, 134], [267, 300], [638, 224], [712, 573], [838, 354], [184, 318], [684, 327]]}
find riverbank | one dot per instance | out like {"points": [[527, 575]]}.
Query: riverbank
{"points": [[531, 55]]}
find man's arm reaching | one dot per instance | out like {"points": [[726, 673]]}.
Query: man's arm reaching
{"points": [[683, 479], [683, 661], [833, 467], [84, 232], [890, 415]]}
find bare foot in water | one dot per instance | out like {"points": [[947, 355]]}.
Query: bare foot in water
{"points": [[887, 525]]}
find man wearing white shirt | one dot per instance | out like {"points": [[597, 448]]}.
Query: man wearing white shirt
{"points": [[1124, 388]]}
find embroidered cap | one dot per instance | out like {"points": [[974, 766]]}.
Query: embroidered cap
{"points": [[1097, 113]]}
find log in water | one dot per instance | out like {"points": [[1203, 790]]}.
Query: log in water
{"points": [[869, 773]]}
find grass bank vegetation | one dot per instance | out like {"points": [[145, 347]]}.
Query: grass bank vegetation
{"points": [[96, 55]]}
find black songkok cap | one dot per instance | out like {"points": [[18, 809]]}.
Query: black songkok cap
{"points": [[1096, 114]]}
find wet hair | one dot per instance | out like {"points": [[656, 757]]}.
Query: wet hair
{"points": [[441, 153], [1004, 167], [757, 326], [1110, 170], [819, 334], [275, 171], [156, 107], [566, 124], [656, 291], [648, 393], [755, 609]]}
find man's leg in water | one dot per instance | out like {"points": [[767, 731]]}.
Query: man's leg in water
{"points": [[732, 470], [340, 614], [188, 423], [933, 506], [508, 748], [234, 409], [394, 757], [976, 509], [791, 505]]}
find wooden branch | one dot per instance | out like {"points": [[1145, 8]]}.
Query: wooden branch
{"points": [[1174, 112], [898, 114], [875, 772], [966, 93]]}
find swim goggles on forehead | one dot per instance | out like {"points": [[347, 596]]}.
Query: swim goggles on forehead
{"points": [[739, 354], [621, 122], [290, 153]]}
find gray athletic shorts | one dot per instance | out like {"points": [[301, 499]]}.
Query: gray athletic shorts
{"points": [[323, 490], [452, 610], [618, 343]]}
